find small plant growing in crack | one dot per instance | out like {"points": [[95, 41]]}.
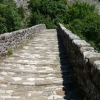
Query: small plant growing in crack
{"points": [[10, 52], [31, 37], [20, 46]]}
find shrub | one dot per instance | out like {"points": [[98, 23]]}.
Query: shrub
{"points": [[9, 17], [77, 27], [21, 11], [49, 12], [92, 26], [78, 11], [84, 22], [10, 52]]}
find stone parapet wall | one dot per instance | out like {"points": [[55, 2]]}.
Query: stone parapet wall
{"points": [[14, 39], [85, 62]]}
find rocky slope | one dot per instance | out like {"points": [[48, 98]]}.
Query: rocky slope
{"points": [[23, 3]]}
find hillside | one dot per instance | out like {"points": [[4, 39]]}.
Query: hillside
{"points": [[91, 2]]}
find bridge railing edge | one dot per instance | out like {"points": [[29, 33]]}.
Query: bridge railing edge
{"points": [[13, 39], [85, 61]]}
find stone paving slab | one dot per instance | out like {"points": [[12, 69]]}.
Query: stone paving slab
{"points": [[35, 72]]}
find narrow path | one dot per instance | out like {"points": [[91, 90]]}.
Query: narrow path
{"points": [[39, 71]]}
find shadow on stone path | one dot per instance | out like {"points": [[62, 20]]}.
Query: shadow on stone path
{"points": [[38, 71], [69, 82]]}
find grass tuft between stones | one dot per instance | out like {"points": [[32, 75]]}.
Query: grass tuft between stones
{"points": [[20, 46], [10, 52], [31, 37]]}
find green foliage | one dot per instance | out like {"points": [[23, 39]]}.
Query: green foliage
{"points": [[77, 27], [21, 11], [49, 12], [3, 27], [78, 11], [10, 20], [92, 26], [20, 46], [1, 1], [37, 18], [84, 22], [10, 52]]}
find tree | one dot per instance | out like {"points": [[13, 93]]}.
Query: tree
{"points": [[9, 17], [21, 11], [49, 12], [82, 20]]}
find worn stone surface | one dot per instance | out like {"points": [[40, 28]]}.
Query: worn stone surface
{"points": [[38, 71]]}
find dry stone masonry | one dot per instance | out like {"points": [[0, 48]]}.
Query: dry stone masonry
{"points": [[85, 61], [14, 39], [41, 69], [38, 71]]}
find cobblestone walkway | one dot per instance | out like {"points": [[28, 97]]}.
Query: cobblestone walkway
{"points": [[38, 71]]}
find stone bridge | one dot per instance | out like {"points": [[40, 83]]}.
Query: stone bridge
{"points": [[48, 64]]}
